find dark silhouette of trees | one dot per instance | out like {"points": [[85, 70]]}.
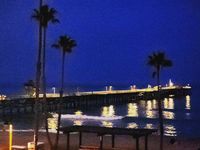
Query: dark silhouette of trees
{"points": [[65, 44], [158, 61], [30, 88]]}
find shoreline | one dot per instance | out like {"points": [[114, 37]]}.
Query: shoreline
{"points": [[126, 142]]}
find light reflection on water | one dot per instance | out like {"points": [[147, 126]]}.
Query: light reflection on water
{"points": [[132, 110], [149, 126], [108, 111], [107, 124], [141, 114], [168, 115], [149, 110], [132, 125], [170, 130], [78, 122], [168, 103], [187, 102]]}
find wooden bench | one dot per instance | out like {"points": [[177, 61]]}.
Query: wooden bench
{"points": [[19, 147], [88, 147]]}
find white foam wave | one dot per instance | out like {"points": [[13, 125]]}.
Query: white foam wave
{"points": [[85, 117]]}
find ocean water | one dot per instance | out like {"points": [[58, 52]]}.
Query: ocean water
{"points": [[181, 116]]}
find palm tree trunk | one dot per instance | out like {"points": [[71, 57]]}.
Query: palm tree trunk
{"points": [[160, 110], [38, 77], [44, 89], [61, 96]]}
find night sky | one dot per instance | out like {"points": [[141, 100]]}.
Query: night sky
{"points": [[114, 39]]}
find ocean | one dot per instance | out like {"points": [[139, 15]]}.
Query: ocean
{"points": [[181, 116]]}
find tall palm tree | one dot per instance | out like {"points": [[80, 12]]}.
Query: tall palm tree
{"points": [[158, 61], [65, 44], [45, 15], [38, 77]]}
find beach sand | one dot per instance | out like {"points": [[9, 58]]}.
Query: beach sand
{"points": [[123, 142]]}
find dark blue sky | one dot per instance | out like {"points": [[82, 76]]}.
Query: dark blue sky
{"points": [[114, 39]]}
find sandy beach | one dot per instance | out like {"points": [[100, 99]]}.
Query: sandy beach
{"points": [[123, 142]]}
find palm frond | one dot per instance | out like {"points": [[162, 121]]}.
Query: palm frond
{"points": [[158, 60], [66, 43]]}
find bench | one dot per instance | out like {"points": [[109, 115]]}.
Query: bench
{"points": [[19, 147]]}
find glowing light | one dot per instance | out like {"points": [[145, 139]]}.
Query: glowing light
{"points": [[110, 88], [78, 113], [187, 104], [170, 130], [2, 97], [107, 124], [132, 110], [52, 123], [171, 84], [132, 125], [165, 103], [78, 122], [54, 90], [10, 136], [149, 112], [149, 126], [154, 105], [169, 103], [108, 111], [168, 115]]}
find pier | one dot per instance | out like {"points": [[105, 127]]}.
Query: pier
{"points": [[88, 99]]}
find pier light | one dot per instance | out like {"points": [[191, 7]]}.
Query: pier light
{"points": [[171, 83], [106, 88], [54, 90], [110, 88]]}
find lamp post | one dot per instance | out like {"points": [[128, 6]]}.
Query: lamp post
{"points": [[54, 90], [10, 136]]}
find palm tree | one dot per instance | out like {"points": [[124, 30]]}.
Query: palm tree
{"points": [[45, 15], [158, 61], [38, 77], [65, 44]]}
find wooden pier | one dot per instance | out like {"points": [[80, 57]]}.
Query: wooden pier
{"points": [[88, 99]]}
